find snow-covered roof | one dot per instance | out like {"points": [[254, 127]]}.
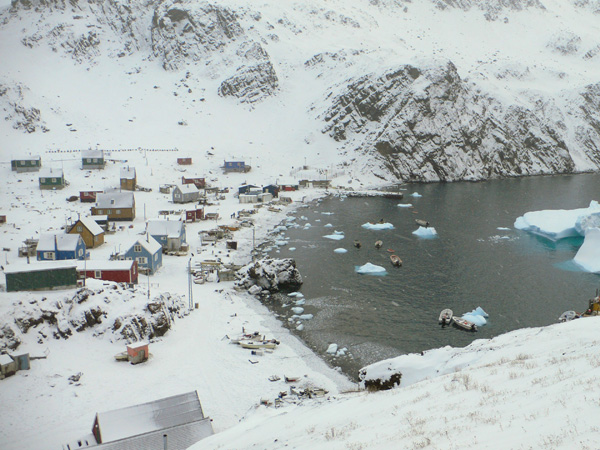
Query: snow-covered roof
{"points": [[104, 265], [149, 243], [148, 417], [115, 200], [187, 188], [39, 266], [5, 359], [128, 172], [91, 225], [169, 228], [49, 242], [92, 154], [49, 172]]}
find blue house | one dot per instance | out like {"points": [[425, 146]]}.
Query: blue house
{"points": [[147, 252], [57, 247], [236, 166], [170, 234]]}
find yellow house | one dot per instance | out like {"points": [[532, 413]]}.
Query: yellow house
{"points": [[91, 233]]}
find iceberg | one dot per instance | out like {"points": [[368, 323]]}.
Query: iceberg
{"points": [[588, 255], [416, 195], [370, 269], [378, 226], [298, 310], [340, 250], [477, 316], [423, 232], [328, 225], [404, 205], [335, 237], [555, 224], [332, 349]]}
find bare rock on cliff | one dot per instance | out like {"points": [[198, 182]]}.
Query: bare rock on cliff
{"points": [[270, 274], [252, 83]]}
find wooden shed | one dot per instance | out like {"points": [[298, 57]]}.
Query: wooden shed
{"points": [[8, 366], [88, 196], [194, 215], [32, 164], [137, 352], [128, 178], [198, 181], [42, 275], [186, 193], [184, 161]]}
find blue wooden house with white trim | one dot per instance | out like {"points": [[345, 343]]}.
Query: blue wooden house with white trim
{"points": [[168, 233], [147, 252], [58, 247]]}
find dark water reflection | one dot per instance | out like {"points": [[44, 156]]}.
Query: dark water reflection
{"points": [[520, 280]]}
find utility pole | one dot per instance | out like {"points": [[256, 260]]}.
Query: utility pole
{"points": [[190, 293]]}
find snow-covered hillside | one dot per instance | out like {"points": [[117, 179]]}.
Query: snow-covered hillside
{"points": [[386, 89]]}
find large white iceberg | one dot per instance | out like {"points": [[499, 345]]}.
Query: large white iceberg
{"points": [[335, 237], [425, 232], [378, 226], [370, 269], [340, 250], [477, 316], [557, 224], [588, 255]]}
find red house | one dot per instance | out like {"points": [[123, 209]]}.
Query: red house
{"points": [[117, 271], [194, 215], [137, 352], [184, 161], [88, 196], [199, 182]]}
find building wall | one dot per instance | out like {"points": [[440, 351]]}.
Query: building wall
{"points": [[128, 184], [154, 261], [52, 183], [41, 280], [90, 240], [115, 214]]}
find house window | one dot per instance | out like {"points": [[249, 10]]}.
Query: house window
{"points": [[49, 255], [79, 228], [80, 252], [142, 260], [97, 274], [99, 211], [22, 163], [128, 258], [137, 248], [54, 180], [94, 160], [118, 212], [108, 211], [156, 257]]}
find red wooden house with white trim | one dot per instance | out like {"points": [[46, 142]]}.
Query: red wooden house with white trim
{"points": [[118, 271]]}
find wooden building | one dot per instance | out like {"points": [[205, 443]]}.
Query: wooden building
{"points": [[52, 179], [89, 230], [88, 196], [118, 271], [137, 352], [272, 189], [147, 252], [39, 276], [144, 426], [115, 205], [200, 183], [32, 164], [128, 178], [186, 193], [58, 247], [319, 184], [8, 366], [170, 234], [236, 166], [92, 159], [184, 161], [194, 215]]}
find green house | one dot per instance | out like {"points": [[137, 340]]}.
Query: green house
{"points": [[52, 179], [92, 159], [32, 164], [41, 276]]}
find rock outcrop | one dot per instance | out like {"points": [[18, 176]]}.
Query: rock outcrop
{"points": [[269, 274]]}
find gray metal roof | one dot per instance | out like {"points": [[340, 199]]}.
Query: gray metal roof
{"points": [[150, 417]]}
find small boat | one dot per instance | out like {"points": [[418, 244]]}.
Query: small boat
{"points": [[422, 222], [378, 244], [258, 344], [568, 315], [357, 244], [464, 323], [396, 261], [445, 317], [390, 250]]}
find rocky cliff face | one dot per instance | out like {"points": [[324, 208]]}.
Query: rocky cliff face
{"points": [[430, 125]]}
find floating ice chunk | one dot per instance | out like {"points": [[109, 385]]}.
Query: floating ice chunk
{"points": [[477, 316], [300, 302], [291, 249], [328, 225], [335, 237], [305, 316], [340, 250], [298, 310], [307, 226], [338, 232], [423, 232], [279, 229], [317, 220], [559, 223], [296, 294], [404, 205], [341, 352], [378, 226], [327, 213], [332, 349], [280, 243], [370, 269], [300, 327], [587, 222], [502, 228], [588, 255], [416, 194]]}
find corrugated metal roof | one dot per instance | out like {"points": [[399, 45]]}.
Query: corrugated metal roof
{"points": [[92, 154], [104, 265], [188, 188], [39, 266], [115, 200], [49, 172], [150, 417], [149, 244], [128, 172], [91, 225]]}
